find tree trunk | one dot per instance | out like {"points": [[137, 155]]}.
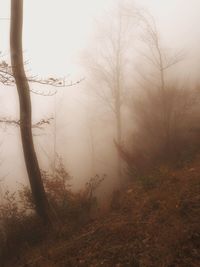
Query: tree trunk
{"points": [[119, 136], [32, 166], [118, 96]]}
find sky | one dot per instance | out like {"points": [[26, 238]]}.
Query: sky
{"points": [[56, 32]]}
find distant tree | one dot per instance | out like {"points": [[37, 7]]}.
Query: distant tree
{"points": [[164, 111], [160, 61], [107, 66]]}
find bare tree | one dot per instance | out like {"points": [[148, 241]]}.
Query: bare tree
{"points": [[161, 61], [158, 57], [32, 166], [15, 73], [107, 69]]}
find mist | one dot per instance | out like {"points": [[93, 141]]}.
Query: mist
{"points": [[115, 86], [59, 53]]}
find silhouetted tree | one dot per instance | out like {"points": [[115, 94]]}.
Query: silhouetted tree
{"points": [[32, 166]]}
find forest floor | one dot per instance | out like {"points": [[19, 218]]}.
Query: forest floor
{"points": [[156, 225]]}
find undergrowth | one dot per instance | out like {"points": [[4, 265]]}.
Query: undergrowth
{"points": [[21, 228]]}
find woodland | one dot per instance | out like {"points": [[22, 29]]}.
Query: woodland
{"points": [[143, 116]]}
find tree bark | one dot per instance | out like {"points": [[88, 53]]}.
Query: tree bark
{"points": [[32, 166]]}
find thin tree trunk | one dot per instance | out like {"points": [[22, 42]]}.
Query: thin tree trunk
{"points": [[92, 147], [119, 142], [118, 97], [119, 134], [166, 111], [32, 166]]}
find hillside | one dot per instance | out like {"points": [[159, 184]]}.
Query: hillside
{"points": [[156, 225]]}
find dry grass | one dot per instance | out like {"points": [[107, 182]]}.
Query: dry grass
{"points": [[151, 226]]}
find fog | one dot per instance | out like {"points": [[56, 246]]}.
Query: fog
{"points": [[58, 37]]}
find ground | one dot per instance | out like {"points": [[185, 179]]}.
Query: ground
{"points": [[152, 224]]}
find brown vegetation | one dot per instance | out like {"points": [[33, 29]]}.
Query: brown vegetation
{"points": [[22, 229], [154, 223]]}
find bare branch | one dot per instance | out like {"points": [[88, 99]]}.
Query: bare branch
{"points": [[13, 122], [6, 78], [174, 60]]}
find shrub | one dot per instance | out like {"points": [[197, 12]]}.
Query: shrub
{"points": [[19, 224], [165, 128]]}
